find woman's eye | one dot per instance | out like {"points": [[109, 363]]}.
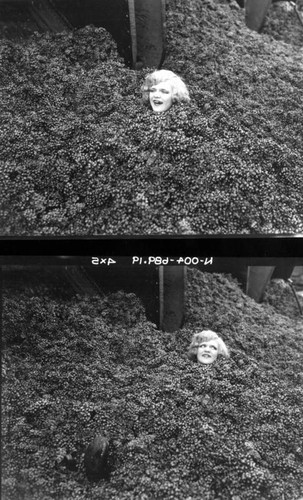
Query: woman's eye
{"points": [[210, 346]]}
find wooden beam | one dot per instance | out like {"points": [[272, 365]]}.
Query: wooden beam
{"points": [[172, 294], [255, 13], [257, 279], [133, 31], [147, 27]]}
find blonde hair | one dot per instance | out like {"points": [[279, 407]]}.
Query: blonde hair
{"points": [[179, 89], [205, 336]]}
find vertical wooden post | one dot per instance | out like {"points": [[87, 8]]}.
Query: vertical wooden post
{"points": [[257, 279], [171, 295], [147, 28], [255, 13], [133, 31]]}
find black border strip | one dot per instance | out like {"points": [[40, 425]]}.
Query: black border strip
{"points": [[216, 246]]}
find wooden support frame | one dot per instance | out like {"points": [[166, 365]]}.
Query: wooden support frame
{"points": [[148, 32], [257, 279], [172, 282], [255, 13], [133, 31]]}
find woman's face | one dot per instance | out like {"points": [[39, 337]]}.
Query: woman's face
{"points": [[161, 97], [207, 352]]}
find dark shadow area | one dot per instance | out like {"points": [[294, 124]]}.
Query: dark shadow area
{"points": [[111, 15], [17, 20]]}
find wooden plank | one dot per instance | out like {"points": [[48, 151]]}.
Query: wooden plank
{"points": [[255, 13], [133, 32], [150, 33], [300, 17], [297, 276], [257, 279], [172, 295], [283, 271]]}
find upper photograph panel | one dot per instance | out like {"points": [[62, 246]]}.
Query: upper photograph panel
{"points": [[137, 117]]}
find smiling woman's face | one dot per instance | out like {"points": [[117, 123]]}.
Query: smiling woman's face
{"points": [[207, 352], [161, 97]]}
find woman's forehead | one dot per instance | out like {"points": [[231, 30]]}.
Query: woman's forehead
{"points": [[209, 341], [162, 85]]}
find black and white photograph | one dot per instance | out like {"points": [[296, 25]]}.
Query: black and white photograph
{"points": [[151, 117], [151, 249], [145, 378]]}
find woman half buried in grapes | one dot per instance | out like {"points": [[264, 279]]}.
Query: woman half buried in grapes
{"points": [[206, 346], [162, 88]]}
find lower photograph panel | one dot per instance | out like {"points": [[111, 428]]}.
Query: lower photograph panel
{"points": [[137, 379]]}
